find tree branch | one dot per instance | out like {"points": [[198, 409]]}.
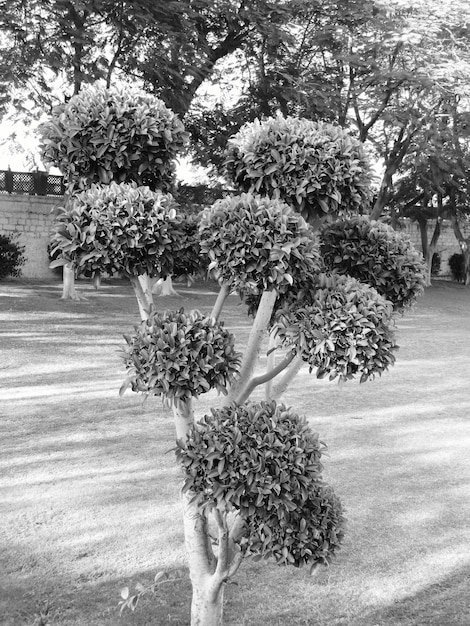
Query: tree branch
{"points": [[257, 334], [263, 378]]}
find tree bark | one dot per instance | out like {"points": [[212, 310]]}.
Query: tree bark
{"points": [[257, 334], [206, 574], [68, 285], [164, 287], [144, 299]]}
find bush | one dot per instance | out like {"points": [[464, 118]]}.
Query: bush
{"points": [[375, 254], [11, 257], [256, 243], [119, 133], [179, 356], [457, 267], [119, 228], [435, 264], [344, 329], [317, 168], [263, 461]]}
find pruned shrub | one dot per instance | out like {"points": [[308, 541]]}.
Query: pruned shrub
{"points": [[11, 257], [344, 329], [317, 168], [119, 228], [178, 355], [375, 254], [435, 264], [262, 460], [256, 243], [457, 267], [119, 133]]}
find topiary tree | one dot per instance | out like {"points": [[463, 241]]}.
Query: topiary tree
{"points": [[120, 229], [252, 469], [112, 134], [315, 167]]}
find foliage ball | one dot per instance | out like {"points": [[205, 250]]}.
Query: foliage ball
{"points": [[180, 355], [256, 243], [316, 167], [262, 460], [119, 228], [344, 330], [118, 133], [376, 254]]}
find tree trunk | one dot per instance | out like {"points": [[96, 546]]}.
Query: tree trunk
{"points": [[68, 285], [164, 287], [144, 299], [207, 577], [207, 603]]}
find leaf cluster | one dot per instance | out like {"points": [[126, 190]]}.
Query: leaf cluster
{"points": [[119, 228], [256, 243], [180, 355], [263, 461], [118, 133], [189, 260], [315, 167], [343, 330], [375, 254]]}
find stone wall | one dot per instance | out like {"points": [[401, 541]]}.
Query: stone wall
{"points": [[447, 244], [31, 217]]}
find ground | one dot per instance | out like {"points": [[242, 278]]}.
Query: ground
{"points": [[89, 489]]}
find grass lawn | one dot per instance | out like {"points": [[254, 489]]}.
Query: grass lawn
{"points": [[89, 490]]}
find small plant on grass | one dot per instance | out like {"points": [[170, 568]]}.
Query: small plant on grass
{"points": [[11, 257]]}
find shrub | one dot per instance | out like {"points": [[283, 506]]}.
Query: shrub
{"points": [[11, 257], [119, 228], [343, 329], [178, 356], [119, 133], [457, 267], [263, 461], [256, 243], [435, 264], [317, 168], [376, 254]]}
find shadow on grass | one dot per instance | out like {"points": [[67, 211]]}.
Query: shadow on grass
{"points": [[445, 603]]}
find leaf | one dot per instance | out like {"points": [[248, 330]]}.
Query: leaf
{"points": [[125, 593]]}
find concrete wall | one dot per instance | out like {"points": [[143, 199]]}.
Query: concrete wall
{"points": [[32, 218]]}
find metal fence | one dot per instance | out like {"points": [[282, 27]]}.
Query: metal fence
{"points": [[31, 183]]}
